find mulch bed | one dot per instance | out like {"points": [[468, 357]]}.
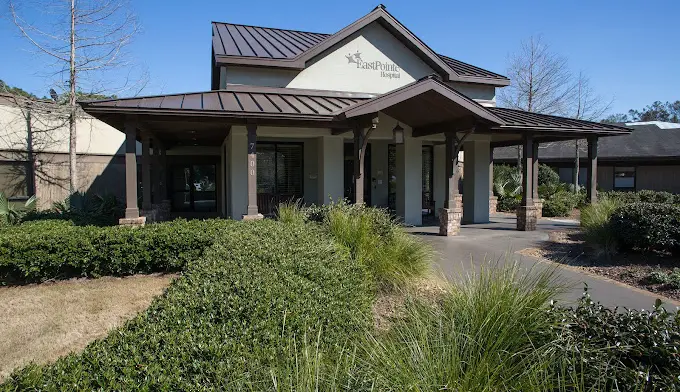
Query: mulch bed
{"points": [[568, 247]]}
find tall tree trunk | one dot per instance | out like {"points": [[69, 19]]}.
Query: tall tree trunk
{"points": [[577, 165], [73, 173]]}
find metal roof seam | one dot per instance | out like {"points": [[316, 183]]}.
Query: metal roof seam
{"points": [[292, 44], [256, 103], [272, 102], [247, 29], [231, 36], [215, 29], [319, 103], [268, 40], [238, 101], [219, 99], [279, 39], [283, 97], [240, 31], [305, 104]]}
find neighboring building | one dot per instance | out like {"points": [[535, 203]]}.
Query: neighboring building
{"points": [[42, 169], [370, 113], [648, 158]]}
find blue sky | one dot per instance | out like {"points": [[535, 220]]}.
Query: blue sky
{"points": [[630, 49]]}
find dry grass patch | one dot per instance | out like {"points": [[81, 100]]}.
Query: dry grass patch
{"points": [[42, 322], [390, 304]]}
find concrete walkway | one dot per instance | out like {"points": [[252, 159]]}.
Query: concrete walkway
{"points": [[499, 240]]}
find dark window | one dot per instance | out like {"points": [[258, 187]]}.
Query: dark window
{"points": [[15, 180], [624, 178], [279, 174]]}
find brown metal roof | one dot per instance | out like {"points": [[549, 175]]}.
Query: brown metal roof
{"points": [[427, 105], [263, 46], [262, 42], [238, 101], [521, 120]]}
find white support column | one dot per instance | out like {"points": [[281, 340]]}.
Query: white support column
{"points": [[439, 174], [476, 181], [237, 160], [409, 180], [331, 169]]}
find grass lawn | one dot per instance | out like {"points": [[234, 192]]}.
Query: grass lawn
{"points": [[43, 322]]}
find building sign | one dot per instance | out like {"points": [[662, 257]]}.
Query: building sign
{"points": [[387, 69]]}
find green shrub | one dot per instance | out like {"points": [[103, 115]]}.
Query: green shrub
{"points": [[44, 250], [507, 186], [670, 279], [560, 203], [647, 226], [595, 224], [625, 351], [547, 175], [645, 196], [488, 334], [83, 209], [230, 321], [11, 213]]}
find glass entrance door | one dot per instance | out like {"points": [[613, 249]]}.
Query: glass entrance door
{"points": [[193, 187]]}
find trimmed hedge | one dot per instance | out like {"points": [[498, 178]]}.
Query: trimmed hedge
{"points": [[228, 320], [621, 350], [644, 196], [56, 249], [647, 226]]}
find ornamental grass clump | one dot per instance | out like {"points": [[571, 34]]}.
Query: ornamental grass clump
{"points": [[487, 334], [596, 227], [374, 239]]}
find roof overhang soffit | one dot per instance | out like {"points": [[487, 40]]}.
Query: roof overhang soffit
{"points": [[379, 15]]}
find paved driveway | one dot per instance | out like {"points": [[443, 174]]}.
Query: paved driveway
{"points": [[499, 240]]}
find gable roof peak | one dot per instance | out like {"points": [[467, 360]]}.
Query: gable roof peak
{"points": [[292, 49]]}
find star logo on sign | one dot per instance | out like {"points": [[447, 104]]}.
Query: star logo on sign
{"points": [[353, 58]]}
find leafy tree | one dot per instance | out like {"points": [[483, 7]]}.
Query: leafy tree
{"points": [[657, 111], [5, 88]]}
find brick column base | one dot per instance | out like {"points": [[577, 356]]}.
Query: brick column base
{"points": [[526, 218], [134, 222], [449, 218], [493, 204], [449, 221], [253, 217], [538, 203]]}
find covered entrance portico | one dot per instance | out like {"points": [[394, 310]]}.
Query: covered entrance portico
{"points": [[264, 145]]}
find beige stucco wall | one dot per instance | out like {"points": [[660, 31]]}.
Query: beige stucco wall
{"points": [[100, 149], [333, 71], [50, 133]]}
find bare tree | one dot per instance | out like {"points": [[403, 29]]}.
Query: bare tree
{"points": [[541, 82], [589, 106], [86, 40]]}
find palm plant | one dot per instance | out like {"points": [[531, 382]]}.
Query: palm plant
{"points": [[12, 213]]}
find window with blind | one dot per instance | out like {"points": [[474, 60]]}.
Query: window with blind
{"points": [[279, 174], [15, 180]]}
